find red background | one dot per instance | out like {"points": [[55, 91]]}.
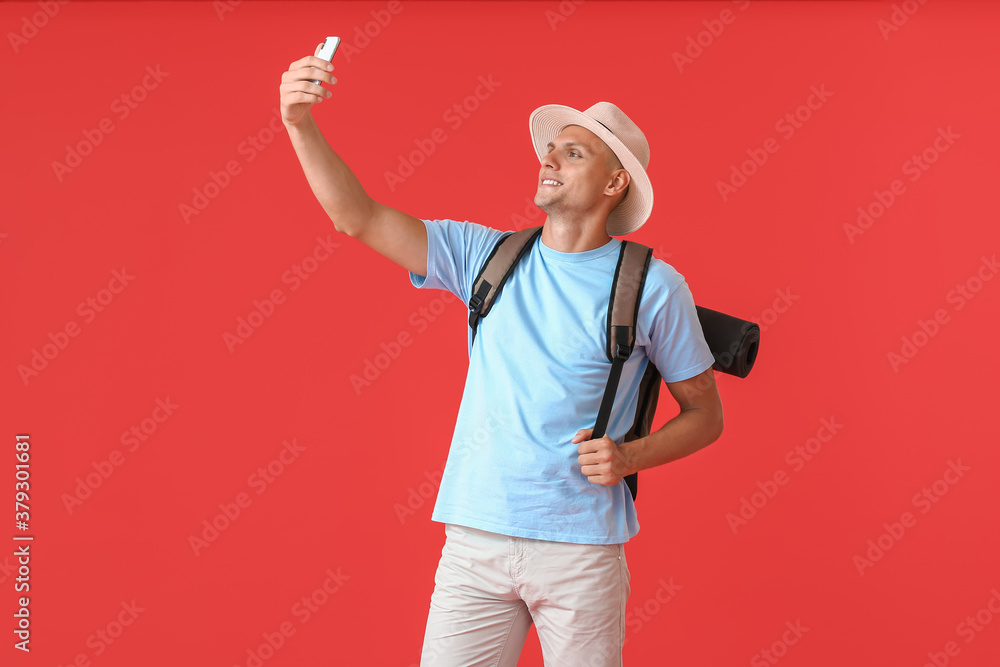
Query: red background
{"points": [[367, 453]]}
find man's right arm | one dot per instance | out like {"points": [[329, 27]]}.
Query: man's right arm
{"points": [[391, 233]]}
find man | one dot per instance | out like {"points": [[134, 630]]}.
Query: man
{"points": [[536, 512]]}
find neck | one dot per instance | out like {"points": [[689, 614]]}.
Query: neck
{"points": [[574, 236]]}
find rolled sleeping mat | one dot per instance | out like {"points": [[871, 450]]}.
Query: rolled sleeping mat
{"points": [[733, 341]]}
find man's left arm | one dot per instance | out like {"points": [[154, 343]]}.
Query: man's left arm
{"points": [[698, 425]]}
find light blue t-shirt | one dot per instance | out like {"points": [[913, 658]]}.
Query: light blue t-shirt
{"points": [[537, 374]]}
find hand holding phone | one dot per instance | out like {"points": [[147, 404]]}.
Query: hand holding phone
{"points": [[296, 97], [327, 50]]}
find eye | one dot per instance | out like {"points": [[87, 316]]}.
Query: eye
{"points": [[574, 154]]}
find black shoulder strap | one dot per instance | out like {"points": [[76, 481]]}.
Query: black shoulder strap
{"points": [[623, 313], [496, 270]]}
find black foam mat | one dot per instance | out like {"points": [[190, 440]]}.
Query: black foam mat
{"points": [[733, 342]]}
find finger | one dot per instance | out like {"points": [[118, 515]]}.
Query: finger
{"points": [[295, 93], [294, 81], [308, 62], [302, 79], [310, 74]]}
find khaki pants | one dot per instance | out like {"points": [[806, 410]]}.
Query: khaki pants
{"points": [[490, 588]]}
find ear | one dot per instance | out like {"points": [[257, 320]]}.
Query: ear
{"points": [[619, 183]]}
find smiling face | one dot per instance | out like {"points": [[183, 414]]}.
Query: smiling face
{"points": [[579, 176]]}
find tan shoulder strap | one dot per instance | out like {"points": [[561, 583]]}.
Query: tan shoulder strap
{"points": [[623, 313], [626, 292], [495, 271]]}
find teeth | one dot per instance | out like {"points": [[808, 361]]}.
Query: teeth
{"points": [[549, 181]]}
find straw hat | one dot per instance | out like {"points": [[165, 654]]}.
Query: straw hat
{"points": [[622, 136]]}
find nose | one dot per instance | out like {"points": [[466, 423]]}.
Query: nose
{"points": [[549, 161]]}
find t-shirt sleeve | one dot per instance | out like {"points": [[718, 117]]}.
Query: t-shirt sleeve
{"points": [[455, 253], [676, 341]]}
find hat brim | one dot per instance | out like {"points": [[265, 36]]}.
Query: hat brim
{"points": [[548, 121]]}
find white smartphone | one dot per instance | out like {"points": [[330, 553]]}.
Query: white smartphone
{"points": [[327, 51]]}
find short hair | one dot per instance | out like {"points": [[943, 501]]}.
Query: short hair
{"points": [[613, 161]]}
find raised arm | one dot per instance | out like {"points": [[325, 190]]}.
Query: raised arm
{"points": [[391, 233]]}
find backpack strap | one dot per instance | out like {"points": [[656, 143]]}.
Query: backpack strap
{"points": [[623, 313], [495, 271]]}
